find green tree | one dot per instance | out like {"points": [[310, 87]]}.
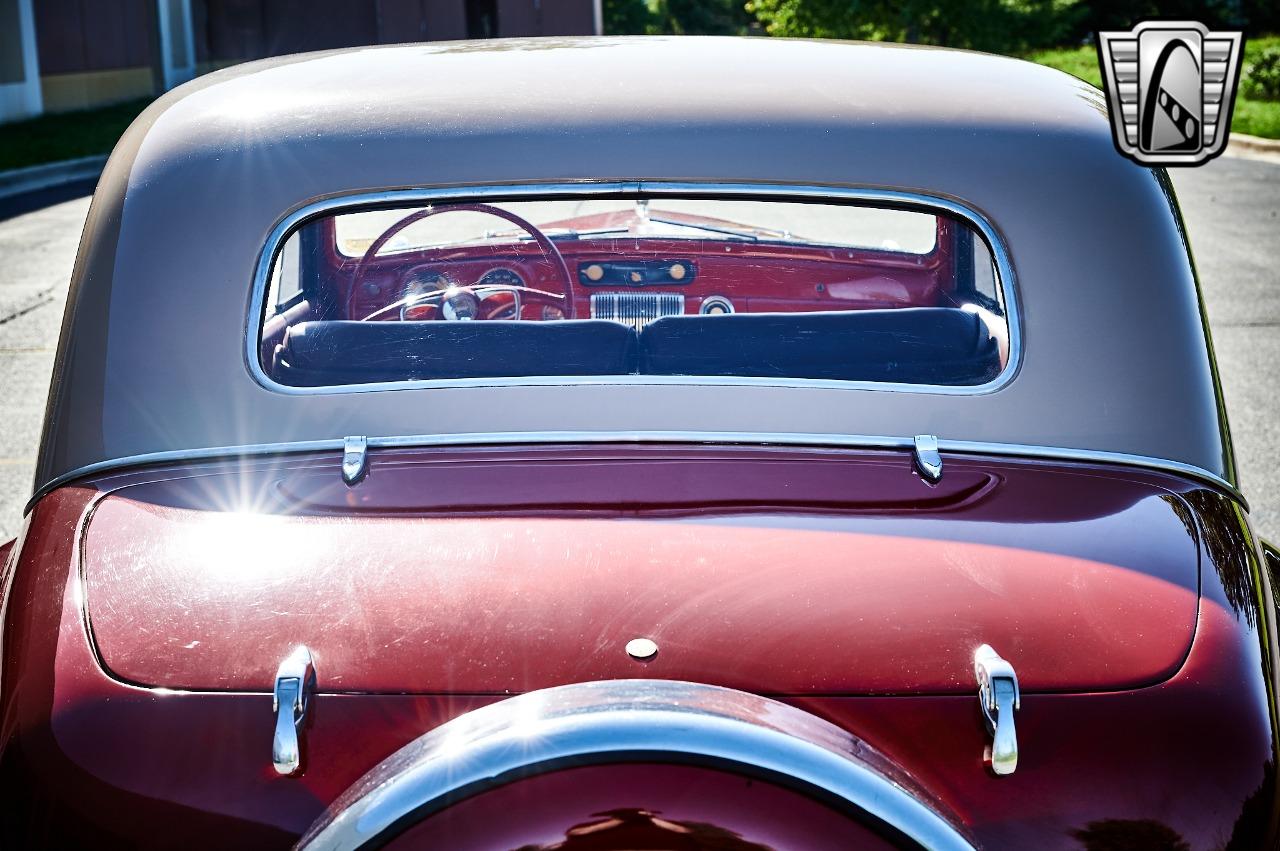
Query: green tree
{"points": [[682, 17], [627, 17], [703, 17], [997, 25]]}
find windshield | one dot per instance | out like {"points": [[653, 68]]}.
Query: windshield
{"points": [[632, 287], [667, 218]]}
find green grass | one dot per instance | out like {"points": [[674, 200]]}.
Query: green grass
{"points": [[1079, 62], [66, 135], [1255, 117]]}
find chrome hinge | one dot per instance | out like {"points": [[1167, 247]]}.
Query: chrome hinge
{"points": [[1000, 698], [295, 682], [355, 459], [927, 458]]}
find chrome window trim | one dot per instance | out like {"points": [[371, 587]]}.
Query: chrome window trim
{"points": [[895, 199], [542, 438], [620, 721]]}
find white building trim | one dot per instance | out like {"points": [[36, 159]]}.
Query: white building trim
{"points": [[23, 99], [177, 41]]}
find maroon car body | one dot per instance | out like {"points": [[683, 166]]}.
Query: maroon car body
{"points": [[814, 585]]}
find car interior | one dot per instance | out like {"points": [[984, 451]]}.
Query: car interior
{"points": [[643, 288]]}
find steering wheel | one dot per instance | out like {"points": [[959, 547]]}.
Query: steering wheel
{"points": [[563, 301]]}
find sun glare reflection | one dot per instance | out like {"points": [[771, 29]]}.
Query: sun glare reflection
{"points": [[240, 545], [527, 723], [454, 743]]}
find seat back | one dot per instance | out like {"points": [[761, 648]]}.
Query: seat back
{"points": [[348, 352], [922, 345], [928, 345]]}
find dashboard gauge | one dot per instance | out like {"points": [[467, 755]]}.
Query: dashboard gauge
{"points": [[500, 277], [424, 279], [418, 312]]}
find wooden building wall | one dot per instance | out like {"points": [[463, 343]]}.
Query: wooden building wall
{"points": [[230, 31], [96, 52]]}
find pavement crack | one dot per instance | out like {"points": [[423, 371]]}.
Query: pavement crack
{"points": [[42, 298]]}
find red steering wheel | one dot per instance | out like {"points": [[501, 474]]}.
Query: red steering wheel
{"points": [[547, 247]]}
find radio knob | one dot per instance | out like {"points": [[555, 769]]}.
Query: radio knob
{"points": [[715, 305], [594, 272], [677, 271]]}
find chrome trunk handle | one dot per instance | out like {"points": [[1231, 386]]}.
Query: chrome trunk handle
{"points": [[1000, 698], [295, 682]]}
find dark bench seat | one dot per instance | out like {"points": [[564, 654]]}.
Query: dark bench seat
{"points": [[349, 352], [939, 346], [919, 345]]}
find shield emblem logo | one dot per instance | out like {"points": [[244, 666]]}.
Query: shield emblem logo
{"points": [[1170, 90]]}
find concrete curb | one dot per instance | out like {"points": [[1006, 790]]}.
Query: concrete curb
{"points": [[36, 177], [1253, 147]]}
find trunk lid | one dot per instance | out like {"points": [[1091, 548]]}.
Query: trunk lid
{"points": [[781, 572]]}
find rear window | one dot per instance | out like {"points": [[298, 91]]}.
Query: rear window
{"points": [[655, 288]]}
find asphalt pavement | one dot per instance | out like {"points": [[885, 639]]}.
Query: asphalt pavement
{"points": [[1232, 208]]}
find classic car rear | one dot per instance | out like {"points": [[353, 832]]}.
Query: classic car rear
{"points": [[614, 467]]}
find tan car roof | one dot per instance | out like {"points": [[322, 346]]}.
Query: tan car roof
{"points": [[153, 357]]}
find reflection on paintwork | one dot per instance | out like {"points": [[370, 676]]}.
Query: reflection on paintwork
{"points": [[1229, 545], [497, 604], [637, 828], [1132, 835], [239, 548]]}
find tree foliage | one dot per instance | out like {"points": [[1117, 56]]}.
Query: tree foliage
{"points": [[1001, 26], [679, 17], [996, 25], [703, 17], [627, 17], [1262, 76], [1255, 16]]}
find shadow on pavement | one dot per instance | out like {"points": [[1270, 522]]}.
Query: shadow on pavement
{"points": [[29, 202]]}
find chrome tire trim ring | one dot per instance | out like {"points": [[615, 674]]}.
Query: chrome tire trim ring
{"points": [[618, 721]]}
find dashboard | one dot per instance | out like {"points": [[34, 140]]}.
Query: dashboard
{"points": [[636, 281]]}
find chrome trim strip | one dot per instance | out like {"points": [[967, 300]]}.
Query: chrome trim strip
{"points": [[530, 191], [616, 721], [829, 441]]}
